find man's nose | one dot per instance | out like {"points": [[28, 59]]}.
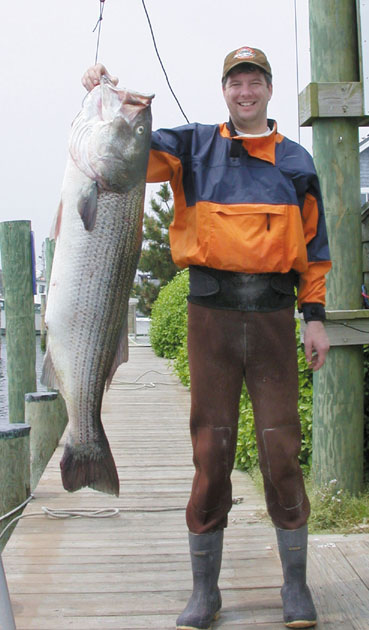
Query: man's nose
{"points": [[246, 90]]}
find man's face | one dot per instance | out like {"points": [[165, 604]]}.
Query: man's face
{"points": [[247, 96]]}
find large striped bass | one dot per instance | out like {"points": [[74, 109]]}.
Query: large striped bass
{"points": [[98, 241]]}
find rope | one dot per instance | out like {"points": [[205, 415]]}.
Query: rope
{"points": [[137, 385], [160, 61], [86, 513], [19, 507], [98, 25]]}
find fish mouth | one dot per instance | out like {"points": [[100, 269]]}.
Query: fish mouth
{"points": [[122, 101]]}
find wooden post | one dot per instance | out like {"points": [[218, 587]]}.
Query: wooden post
{"points": [[42, 325], [15, 246], [338, 386], [14, 472], [47, 416]]}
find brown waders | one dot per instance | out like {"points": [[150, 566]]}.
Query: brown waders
{"points": [[225, 348]]}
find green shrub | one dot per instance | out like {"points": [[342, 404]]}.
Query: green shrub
{"points": [[247, 451], [336, 510], [180, 364], [168, 329]]}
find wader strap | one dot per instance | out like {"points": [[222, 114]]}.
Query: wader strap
{"points": [[262, 292]]}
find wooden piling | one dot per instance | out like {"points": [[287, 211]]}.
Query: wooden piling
{"points": [[338, 386], [46, 414], [14, 471], [42, 323], [15, 246]]}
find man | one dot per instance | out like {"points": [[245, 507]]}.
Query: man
{"points": [[249, 223]]}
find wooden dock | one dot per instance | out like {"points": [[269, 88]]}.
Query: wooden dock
{"points": [[132, 571]]}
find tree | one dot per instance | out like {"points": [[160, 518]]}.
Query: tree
{"points": [[156, 260]]}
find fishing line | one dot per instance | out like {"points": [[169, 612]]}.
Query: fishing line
{"points": [[297, 71], [98, 25], [160, 61], [349, 326]]}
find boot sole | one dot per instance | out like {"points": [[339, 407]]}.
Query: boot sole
{"points": [[216, 616], [300, 624]]}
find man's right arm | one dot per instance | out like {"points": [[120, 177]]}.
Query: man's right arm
{"points": [[162, 161], [92, 76]]}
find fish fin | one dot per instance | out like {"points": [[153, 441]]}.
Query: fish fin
{"points": [[89, 465], [121, 355], [48, 376], [87, 207], [56, 224]]}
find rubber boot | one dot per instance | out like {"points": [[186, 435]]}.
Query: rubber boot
{"points": [[205, 602], [298, 608]]}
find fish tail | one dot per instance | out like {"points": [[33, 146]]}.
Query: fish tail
{"points": [[89, 465]]}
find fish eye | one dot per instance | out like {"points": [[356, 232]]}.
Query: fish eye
{"points": [[140, 129]]}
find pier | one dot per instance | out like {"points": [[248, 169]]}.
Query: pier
{"points": [[132, 571]]}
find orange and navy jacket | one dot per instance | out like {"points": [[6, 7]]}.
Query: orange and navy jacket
{"points": [[256, 210]]}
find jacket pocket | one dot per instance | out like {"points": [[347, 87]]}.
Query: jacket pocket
{"points": [[248, 238]]}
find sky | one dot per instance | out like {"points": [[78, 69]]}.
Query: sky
{"points": [[46, 46]]}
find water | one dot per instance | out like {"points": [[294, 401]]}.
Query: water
{"points": [[4, 407]]}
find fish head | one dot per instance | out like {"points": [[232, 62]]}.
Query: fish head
{"points": [[112, 137]]}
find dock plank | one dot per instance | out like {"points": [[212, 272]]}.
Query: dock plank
{"points": [[132, 571]]}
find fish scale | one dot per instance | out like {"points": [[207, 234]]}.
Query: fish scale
{"points": [[98, 244]]}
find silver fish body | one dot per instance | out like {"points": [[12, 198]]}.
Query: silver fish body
{"points": [[98, 243]]}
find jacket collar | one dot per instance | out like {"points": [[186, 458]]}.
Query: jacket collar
{"points": [[262, 148]]}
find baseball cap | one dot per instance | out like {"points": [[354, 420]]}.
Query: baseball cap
{"points": [[246, 55]]}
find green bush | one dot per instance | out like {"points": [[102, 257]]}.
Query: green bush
{"points": [[168, 329], [337, 511], [180, 364]]}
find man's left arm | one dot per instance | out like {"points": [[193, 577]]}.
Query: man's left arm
{"points": [[311, 294]]}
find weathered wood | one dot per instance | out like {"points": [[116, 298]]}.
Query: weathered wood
{"points": [[14, 472], [327, 100], [338, 386], [15, 246], [46, 414], [42, 324], [366, 257]]}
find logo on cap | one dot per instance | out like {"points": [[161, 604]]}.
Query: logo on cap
{"points": [[244, 53]]}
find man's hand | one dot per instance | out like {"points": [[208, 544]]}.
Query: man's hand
{"points": [[92, 76], [316, 344]]}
